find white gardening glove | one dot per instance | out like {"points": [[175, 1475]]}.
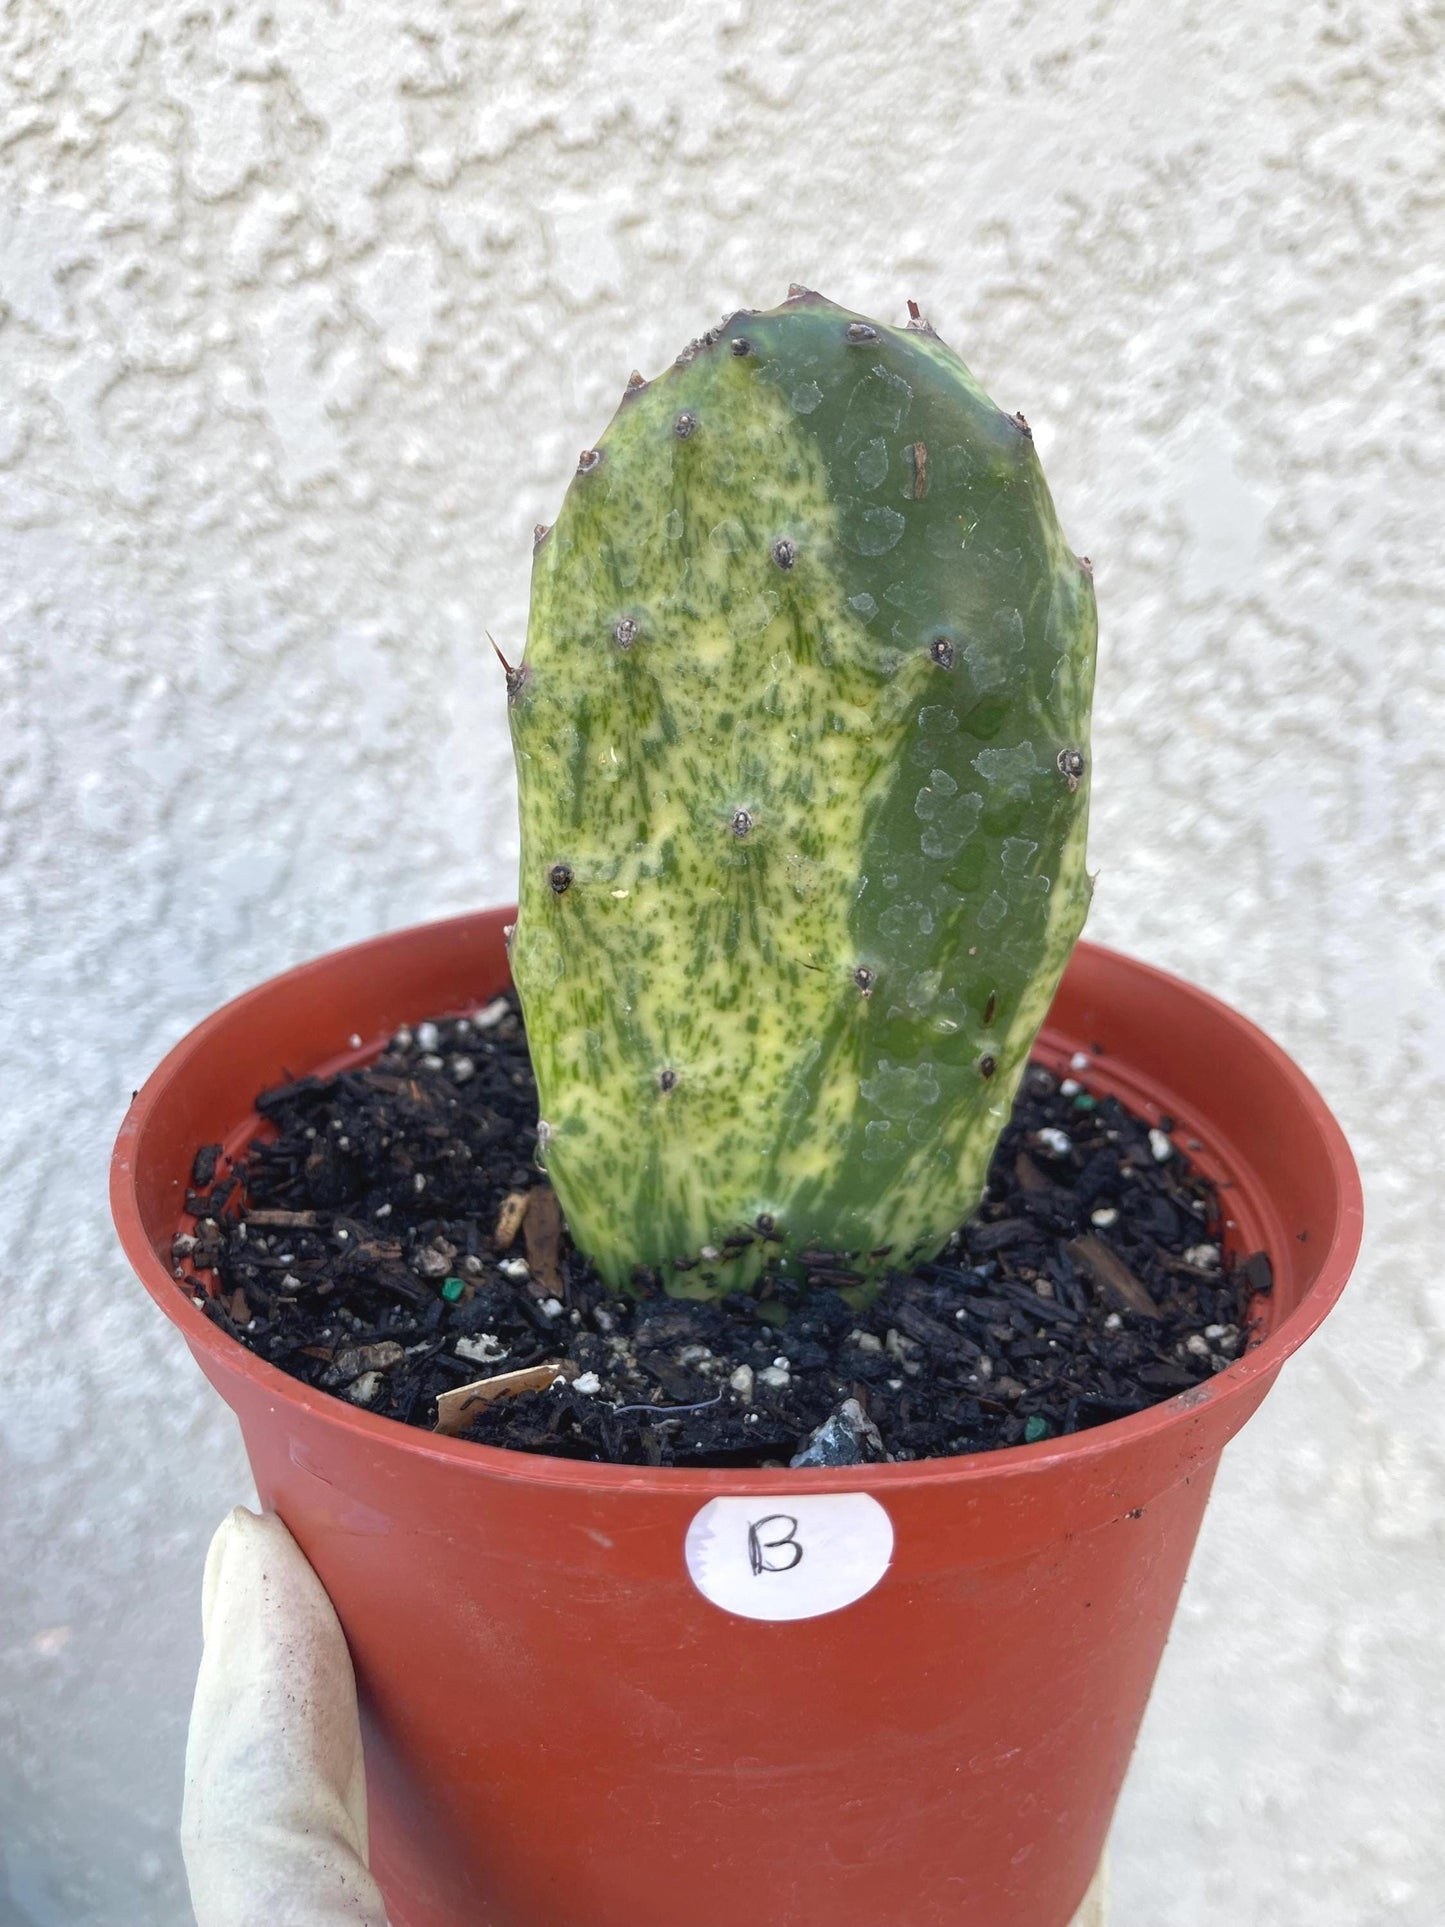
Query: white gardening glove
{"points": [[1094, 1908], [274, 1823]]}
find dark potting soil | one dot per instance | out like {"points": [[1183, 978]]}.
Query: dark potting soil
{"points": [[369, 1244]]}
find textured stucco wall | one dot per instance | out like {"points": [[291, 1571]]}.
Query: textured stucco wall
{"points": [[304, 313]]}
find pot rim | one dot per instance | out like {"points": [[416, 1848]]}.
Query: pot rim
{"points": [[1237, 1382]]}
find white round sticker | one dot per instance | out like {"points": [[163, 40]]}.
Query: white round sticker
{"points": [[789, 1558]]}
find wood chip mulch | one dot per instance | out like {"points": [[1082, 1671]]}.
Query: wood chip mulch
{"points": [[388, 1238]]}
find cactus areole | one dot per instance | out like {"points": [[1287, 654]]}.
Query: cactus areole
{"points": [[802, 749]]}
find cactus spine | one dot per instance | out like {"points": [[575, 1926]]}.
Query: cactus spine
{"points": [[802, 748]]}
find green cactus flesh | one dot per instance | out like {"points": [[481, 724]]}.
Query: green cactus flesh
{"points": [[801, 738]]}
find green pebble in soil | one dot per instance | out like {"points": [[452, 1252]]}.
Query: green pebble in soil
{"points": [[1035, 1429], [452, 1289], [1083, 1102]]}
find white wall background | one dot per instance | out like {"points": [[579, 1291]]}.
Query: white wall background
{"points": [[305, 310]]}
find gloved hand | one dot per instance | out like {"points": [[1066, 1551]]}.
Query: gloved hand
{"points": [[274, 1823], [273, 1827]]}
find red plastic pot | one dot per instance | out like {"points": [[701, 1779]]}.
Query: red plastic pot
{"points": [[563, 1731]]}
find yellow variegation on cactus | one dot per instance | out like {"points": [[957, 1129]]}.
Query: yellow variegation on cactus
{"points": [[802, 746]]}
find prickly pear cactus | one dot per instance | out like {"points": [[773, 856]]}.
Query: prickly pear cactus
{"points": [[802, 746]]}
